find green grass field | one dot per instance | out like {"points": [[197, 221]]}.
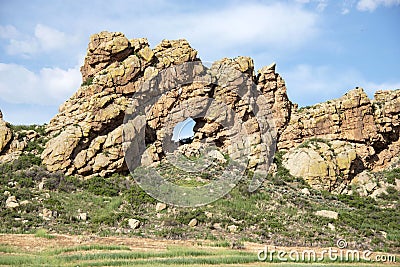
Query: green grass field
{"points": [[210, 254]]}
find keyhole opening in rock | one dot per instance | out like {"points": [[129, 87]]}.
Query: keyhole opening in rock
{"points": [[183, 131]]}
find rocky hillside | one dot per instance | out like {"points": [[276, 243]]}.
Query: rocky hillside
{"points": [[332, 145], [336, 143], [335, 173]]}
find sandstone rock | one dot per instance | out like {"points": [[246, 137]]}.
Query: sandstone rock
{"points": [[173, 52], [384, 234], [161, 206], [215, 154], [305, 191], [371, 125], [12, 203], [46, 214], [378, 192], [331, 227], [82, 216], [328, 214], [5, 134], [208, 214], [273, 87], [24, 202], [104, 49], [133, 223], [193, 222], [87, 132], [217, 226], [146, 53], [15, 147], [386, 105], [347, 118], [371, 184], [41, 186], [327, 165], [86, 136], [232, 228]]}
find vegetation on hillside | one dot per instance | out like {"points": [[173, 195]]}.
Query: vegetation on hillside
{"points": [[279, 212]]}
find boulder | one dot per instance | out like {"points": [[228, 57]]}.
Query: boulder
{"points": [[325, 165], [327, 214], [232, 228], [46, 214], [161, 206], [133, 223], [193, 222], [12, 203], [82, 216]]}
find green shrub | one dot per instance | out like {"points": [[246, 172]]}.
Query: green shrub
{"points": [[109, 214], [24, 161], [392, 175], [282, 174], [359, 202], [43, 233], [89, 81], [137, 197], [301, 109], [37, 144], [184, 216], [173, 233], [392, 194], [102, 187], [221, 244], [53, 204], [313, 141]]}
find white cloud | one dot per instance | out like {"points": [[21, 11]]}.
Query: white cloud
{"points": [[49, 38], [345, 11], [45, 39], [24, 47], [51, 86], [8, 32], [235, 27], [371, 5], [280, 25], [322, 4]]}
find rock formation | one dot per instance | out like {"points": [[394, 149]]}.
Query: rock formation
{"points": [[329, 144], [5, 133], [13, 143], [87, 132]]}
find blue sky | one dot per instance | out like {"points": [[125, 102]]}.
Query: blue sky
{"points": [[322, 48]]}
